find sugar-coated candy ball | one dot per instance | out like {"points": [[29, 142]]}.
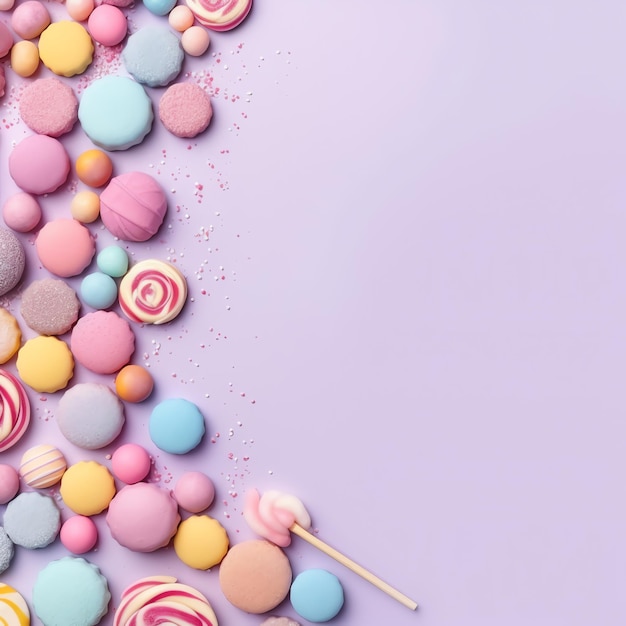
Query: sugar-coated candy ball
{"points": [[316, 595], [107, 25], [94, 167], [130, 463], [195, 41], [181, 18], [85, 206], [98, 290], [9, 483], [134, 383], [24, 58], [113, 261], [194, 492], [21, 212], [79, 10], [79, 534], [159, 7]]}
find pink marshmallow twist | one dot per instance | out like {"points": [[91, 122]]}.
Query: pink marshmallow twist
{"points": [[273, 514]]}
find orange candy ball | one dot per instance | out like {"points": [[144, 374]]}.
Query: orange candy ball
{"points": [[94, 168], [134, 383]]}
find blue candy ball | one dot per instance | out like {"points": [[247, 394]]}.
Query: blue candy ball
{"points": [[159, 7], [176, 426], [98, 290], [113, 261], [316, 595]]}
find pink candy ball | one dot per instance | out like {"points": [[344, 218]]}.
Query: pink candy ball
{"points": [[21, 212], [79, 10], [107, 25], [130, 463], [9, 483], [79, 534], [181, 18], [29, 19], [194, 492]]}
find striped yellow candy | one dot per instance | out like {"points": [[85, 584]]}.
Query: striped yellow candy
{"points": [[13, 609], [42, 466]]}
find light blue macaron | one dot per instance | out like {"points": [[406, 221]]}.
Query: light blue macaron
{"points": [[176, 426], [70, 591], [32, 520], [316, 595]]}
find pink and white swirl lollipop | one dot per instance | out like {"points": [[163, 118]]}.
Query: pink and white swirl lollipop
{"points": [[14, 410], [275, 515], [162, 600], [220, 15], [152, 292]]}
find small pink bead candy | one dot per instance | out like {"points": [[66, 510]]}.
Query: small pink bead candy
{"points": [[29, 19], [79, 534], [9, 483], [107, 25], [194, 492], [130, 463], [21, 212]]}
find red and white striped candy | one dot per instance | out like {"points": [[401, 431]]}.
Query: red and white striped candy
{"points": [[152, 292], [14, 410], [220, 15], [161, 600]]}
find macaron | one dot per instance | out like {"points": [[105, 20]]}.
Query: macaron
{"points": [[45, 364], [185, 109], [66, 48], [70, 591], [7, 551], [49, 106], [143, 517], [90, 415], [49, 306], [201, 542], [32, 520], [65, 247], [87, 488], [255, 576]]}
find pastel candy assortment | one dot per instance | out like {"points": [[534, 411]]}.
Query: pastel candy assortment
{"points": [[14, 410], [70, 591], [152, 292], [163, 600]]}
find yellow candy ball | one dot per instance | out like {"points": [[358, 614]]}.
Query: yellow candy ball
{"points": [[87, 488], [24, 58], [85, 206], [201, 542]]}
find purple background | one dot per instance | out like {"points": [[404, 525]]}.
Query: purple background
{"points": [[417, 213]]}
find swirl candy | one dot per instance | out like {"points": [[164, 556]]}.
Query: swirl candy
{"points": [[14, 410], [220, 15], [152, 292], [162, 600], [13, 609], [274, 515]]}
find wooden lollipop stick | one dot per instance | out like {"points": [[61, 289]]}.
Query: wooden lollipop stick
{"points": [[296, 529]]}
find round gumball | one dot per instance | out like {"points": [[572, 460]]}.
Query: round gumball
{"points": [[113, 261], [85, 206], [107, 25], [134, 383], [98, 290], [194, 492], [9, 483], [21, 212], [181, 18], [94, 167], [195, 41], [79, 534], [130, 463], [159, 7], [79, 10]]}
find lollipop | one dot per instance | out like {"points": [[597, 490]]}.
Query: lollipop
{"points": [[162, 600], [14, 410], [152, 292], [274, 515], [220, 15]]}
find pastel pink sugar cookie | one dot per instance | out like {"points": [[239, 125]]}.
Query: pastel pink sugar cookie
{"points": [[133, 206], [65, 247], [49, 306], [29, 19], [39, 164], [220, 15], [185, 109], [49, 107], [102, 342]]}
